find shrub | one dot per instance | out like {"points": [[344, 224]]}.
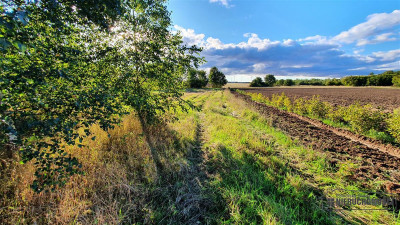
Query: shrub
{"points": [[280, 101], [317, 108], [337, 114], [364, 118], [393, 124], [257, 97], [396, 81], [299, 106]]}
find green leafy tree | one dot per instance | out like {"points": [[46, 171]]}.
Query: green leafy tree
{"points": [[257, 82], [279, 82], [196, 78], [217, 78], [270, 80], [68, 64], [288, 82]]}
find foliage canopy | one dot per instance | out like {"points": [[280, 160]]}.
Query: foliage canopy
{"points": [[68, 64], [217, 78]]}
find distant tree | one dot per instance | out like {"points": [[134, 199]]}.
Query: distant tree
{"points": [[258, 82], [372, 73], [269, 80], [380, 80], [355, 80], [217, 78], [202, 76], [288, 82], [279, 82], [196, 78], [333, 82]]}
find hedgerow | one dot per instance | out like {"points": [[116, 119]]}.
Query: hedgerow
{"points": [[363, 119]]}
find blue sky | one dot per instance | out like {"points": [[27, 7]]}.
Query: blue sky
{"points": [[297, 38]]}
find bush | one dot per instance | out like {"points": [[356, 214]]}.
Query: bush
{"points": [[364, 118], [317, 108], [299, 106], [396, 81], [393, 125], [337, 114], [280, 101]]}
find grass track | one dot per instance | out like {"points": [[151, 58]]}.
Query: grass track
{"points": [[263, 176], [224, 164]]}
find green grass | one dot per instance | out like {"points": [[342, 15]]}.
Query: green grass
{"points": [[261, 173], [224, 164]]}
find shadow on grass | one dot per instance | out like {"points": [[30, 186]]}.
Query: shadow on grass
{"points": [[261, 192], [181, 193]]}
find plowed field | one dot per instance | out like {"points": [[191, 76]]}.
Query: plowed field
{"points": [[377, 162], [384, 98]]}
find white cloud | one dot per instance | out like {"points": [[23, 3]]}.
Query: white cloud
{"points": [[387, 56], [377, 39], [311, 56], [190, 37], [259, 67], [375, 24], [389, 66], [317, 39], [289, 42], [222, 2]]}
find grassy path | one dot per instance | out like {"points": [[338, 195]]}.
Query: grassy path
{"points": [[224, 164], [257, 175]]}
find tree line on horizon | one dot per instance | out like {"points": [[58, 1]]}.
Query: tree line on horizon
{"points": [[388, 78]]}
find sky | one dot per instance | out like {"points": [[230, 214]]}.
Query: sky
{"points": [[292, 38]]}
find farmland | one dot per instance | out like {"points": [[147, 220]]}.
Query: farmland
{"points": [[111, 114], [232, 161], [384, 98]]}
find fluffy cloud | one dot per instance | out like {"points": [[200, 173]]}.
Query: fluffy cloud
{"points": [[222, 2], [387, 56], [310, 56], [377, 39], [190, 37], [375, 24]]}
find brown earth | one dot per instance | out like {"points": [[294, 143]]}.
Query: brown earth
{"points": [[384, 98], [375, 164]]}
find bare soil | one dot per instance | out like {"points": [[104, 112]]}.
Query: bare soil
{"points": [[383, 98]]}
